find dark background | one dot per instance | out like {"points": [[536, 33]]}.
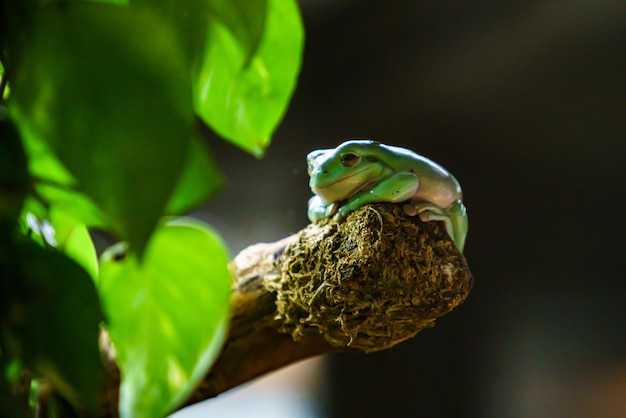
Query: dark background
{"points": [[525, 102]]}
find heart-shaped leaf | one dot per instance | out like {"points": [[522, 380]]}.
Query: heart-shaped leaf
{"points": [[243, 87], [166, 314]]}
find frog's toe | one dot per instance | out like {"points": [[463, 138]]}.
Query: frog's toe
{"points": [[409, 209], [339, 216], [426, 215], [332, 210], [342, 212], [426, 211], [429, 211]]}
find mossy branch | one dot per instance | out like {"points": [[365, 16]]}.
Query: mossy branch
{"points": [[365, 284]]}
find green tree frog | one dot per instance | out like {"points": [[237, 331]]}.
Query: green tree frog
{"points": [[359, 172]]}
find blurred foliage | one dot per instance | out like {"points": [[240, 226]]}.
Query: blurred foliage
{"points": [[99, 129]]}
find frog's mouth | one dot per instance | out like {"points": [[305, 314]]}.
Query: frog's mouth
{"points": [[342, 189], [343, 179]]}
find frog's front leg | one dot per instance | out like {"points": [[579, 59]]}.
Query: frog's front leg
{"points": [[396, 188], [318, 210], [454, 218]]}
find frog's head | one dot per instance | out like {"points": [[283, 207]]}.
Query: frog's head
{"points": [[339, 173]]}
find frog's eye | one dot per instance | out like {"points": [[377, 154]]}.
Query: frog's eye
{"points": [[349, 160]]}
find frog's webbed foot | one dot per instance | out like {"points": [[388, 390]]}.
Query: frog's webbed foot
{"points": [[318, 210], [341, 211], [426, 211]]}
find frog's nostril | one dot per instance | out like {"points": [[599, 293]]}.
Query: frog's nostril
{"points": [[325, 171]]}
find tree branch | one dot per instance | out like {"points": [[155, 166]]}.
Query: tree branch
{"points": [[364, 284]]}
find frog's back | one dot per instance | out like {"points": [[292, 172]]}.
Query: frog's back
{"points": [[405, 159], [437, 184]]}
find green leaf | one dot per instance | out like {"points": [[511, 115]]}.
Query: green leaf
{"points": [[42, 162], [188, 18], [244, 19], [199, 181], [166, 314], [72, 203], [55, 228], [55, 186], [244, 97], [73, 239], [109, 90], [50, 318]]}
